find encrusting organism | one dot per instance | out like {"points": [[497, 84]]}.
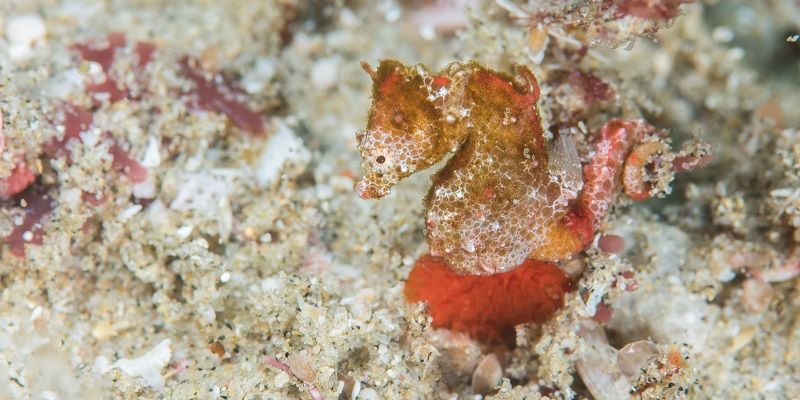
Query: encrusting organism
{"points": [[530, 293], [581, 23], [507, 194]]}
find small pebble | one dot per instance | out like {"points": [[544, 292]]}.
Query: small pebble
{"points": [[756, 295], [635, 356], [324, 73], [368, 394], [300, 366], [281, 379], [217, 348], [25, 30], [574, 267], [487, 375], [611, 244]]}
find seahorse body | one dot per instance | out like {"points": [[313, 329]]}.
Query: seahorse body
{"points": [[496, 200]]}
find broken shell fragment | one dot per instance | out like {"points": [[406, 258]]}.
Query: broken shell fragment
{"points": [[634, 356], [300, 366], [487, 375]]}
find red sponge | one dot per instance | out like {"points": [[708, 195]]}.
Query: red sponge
{"points": [[487, 307]]}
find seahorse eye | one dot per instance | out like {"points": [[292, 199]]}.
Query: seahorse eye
{"points": [[380, 159]]}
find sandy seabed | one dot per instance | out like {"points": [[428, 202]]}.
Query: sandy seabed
{"points": [[192, 228]]}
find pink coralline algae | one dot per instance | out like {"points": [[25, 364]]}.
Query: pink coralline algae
{"points": [[76, 120], [208, 94], [130, 168]]}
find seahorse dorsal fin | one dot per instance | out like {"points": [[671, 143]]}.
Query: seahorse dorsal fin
{"points": [[368, 69], [565, 163]]}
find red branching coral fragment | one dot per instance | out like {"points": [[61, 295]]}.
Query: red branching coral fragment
{"points": [[37, 203], [221, 96], [487, 307]]}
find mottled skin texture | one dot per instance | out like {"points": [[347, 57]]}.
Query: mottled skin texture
{"points": [[405, 130], [506, 194], [506, 199], [498, 197]]}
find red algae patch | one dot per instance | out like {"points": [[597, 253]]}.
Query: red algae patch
{"points": [[487, 307], [593, 89], [129, 167], [75, 120], [221, 96], [37, 203], [103, 54], [20, 177]]}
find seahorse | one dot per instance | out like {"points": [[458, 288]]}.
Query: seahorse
{"points": [[504, 193], [509, 202]]}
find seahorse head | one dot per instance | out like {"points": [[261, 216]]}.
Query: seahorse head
{"points": [[404, 127]]}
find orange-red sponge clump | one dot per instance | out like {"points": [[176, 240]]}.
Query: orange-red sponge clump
{"points": [[487, 307]]}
